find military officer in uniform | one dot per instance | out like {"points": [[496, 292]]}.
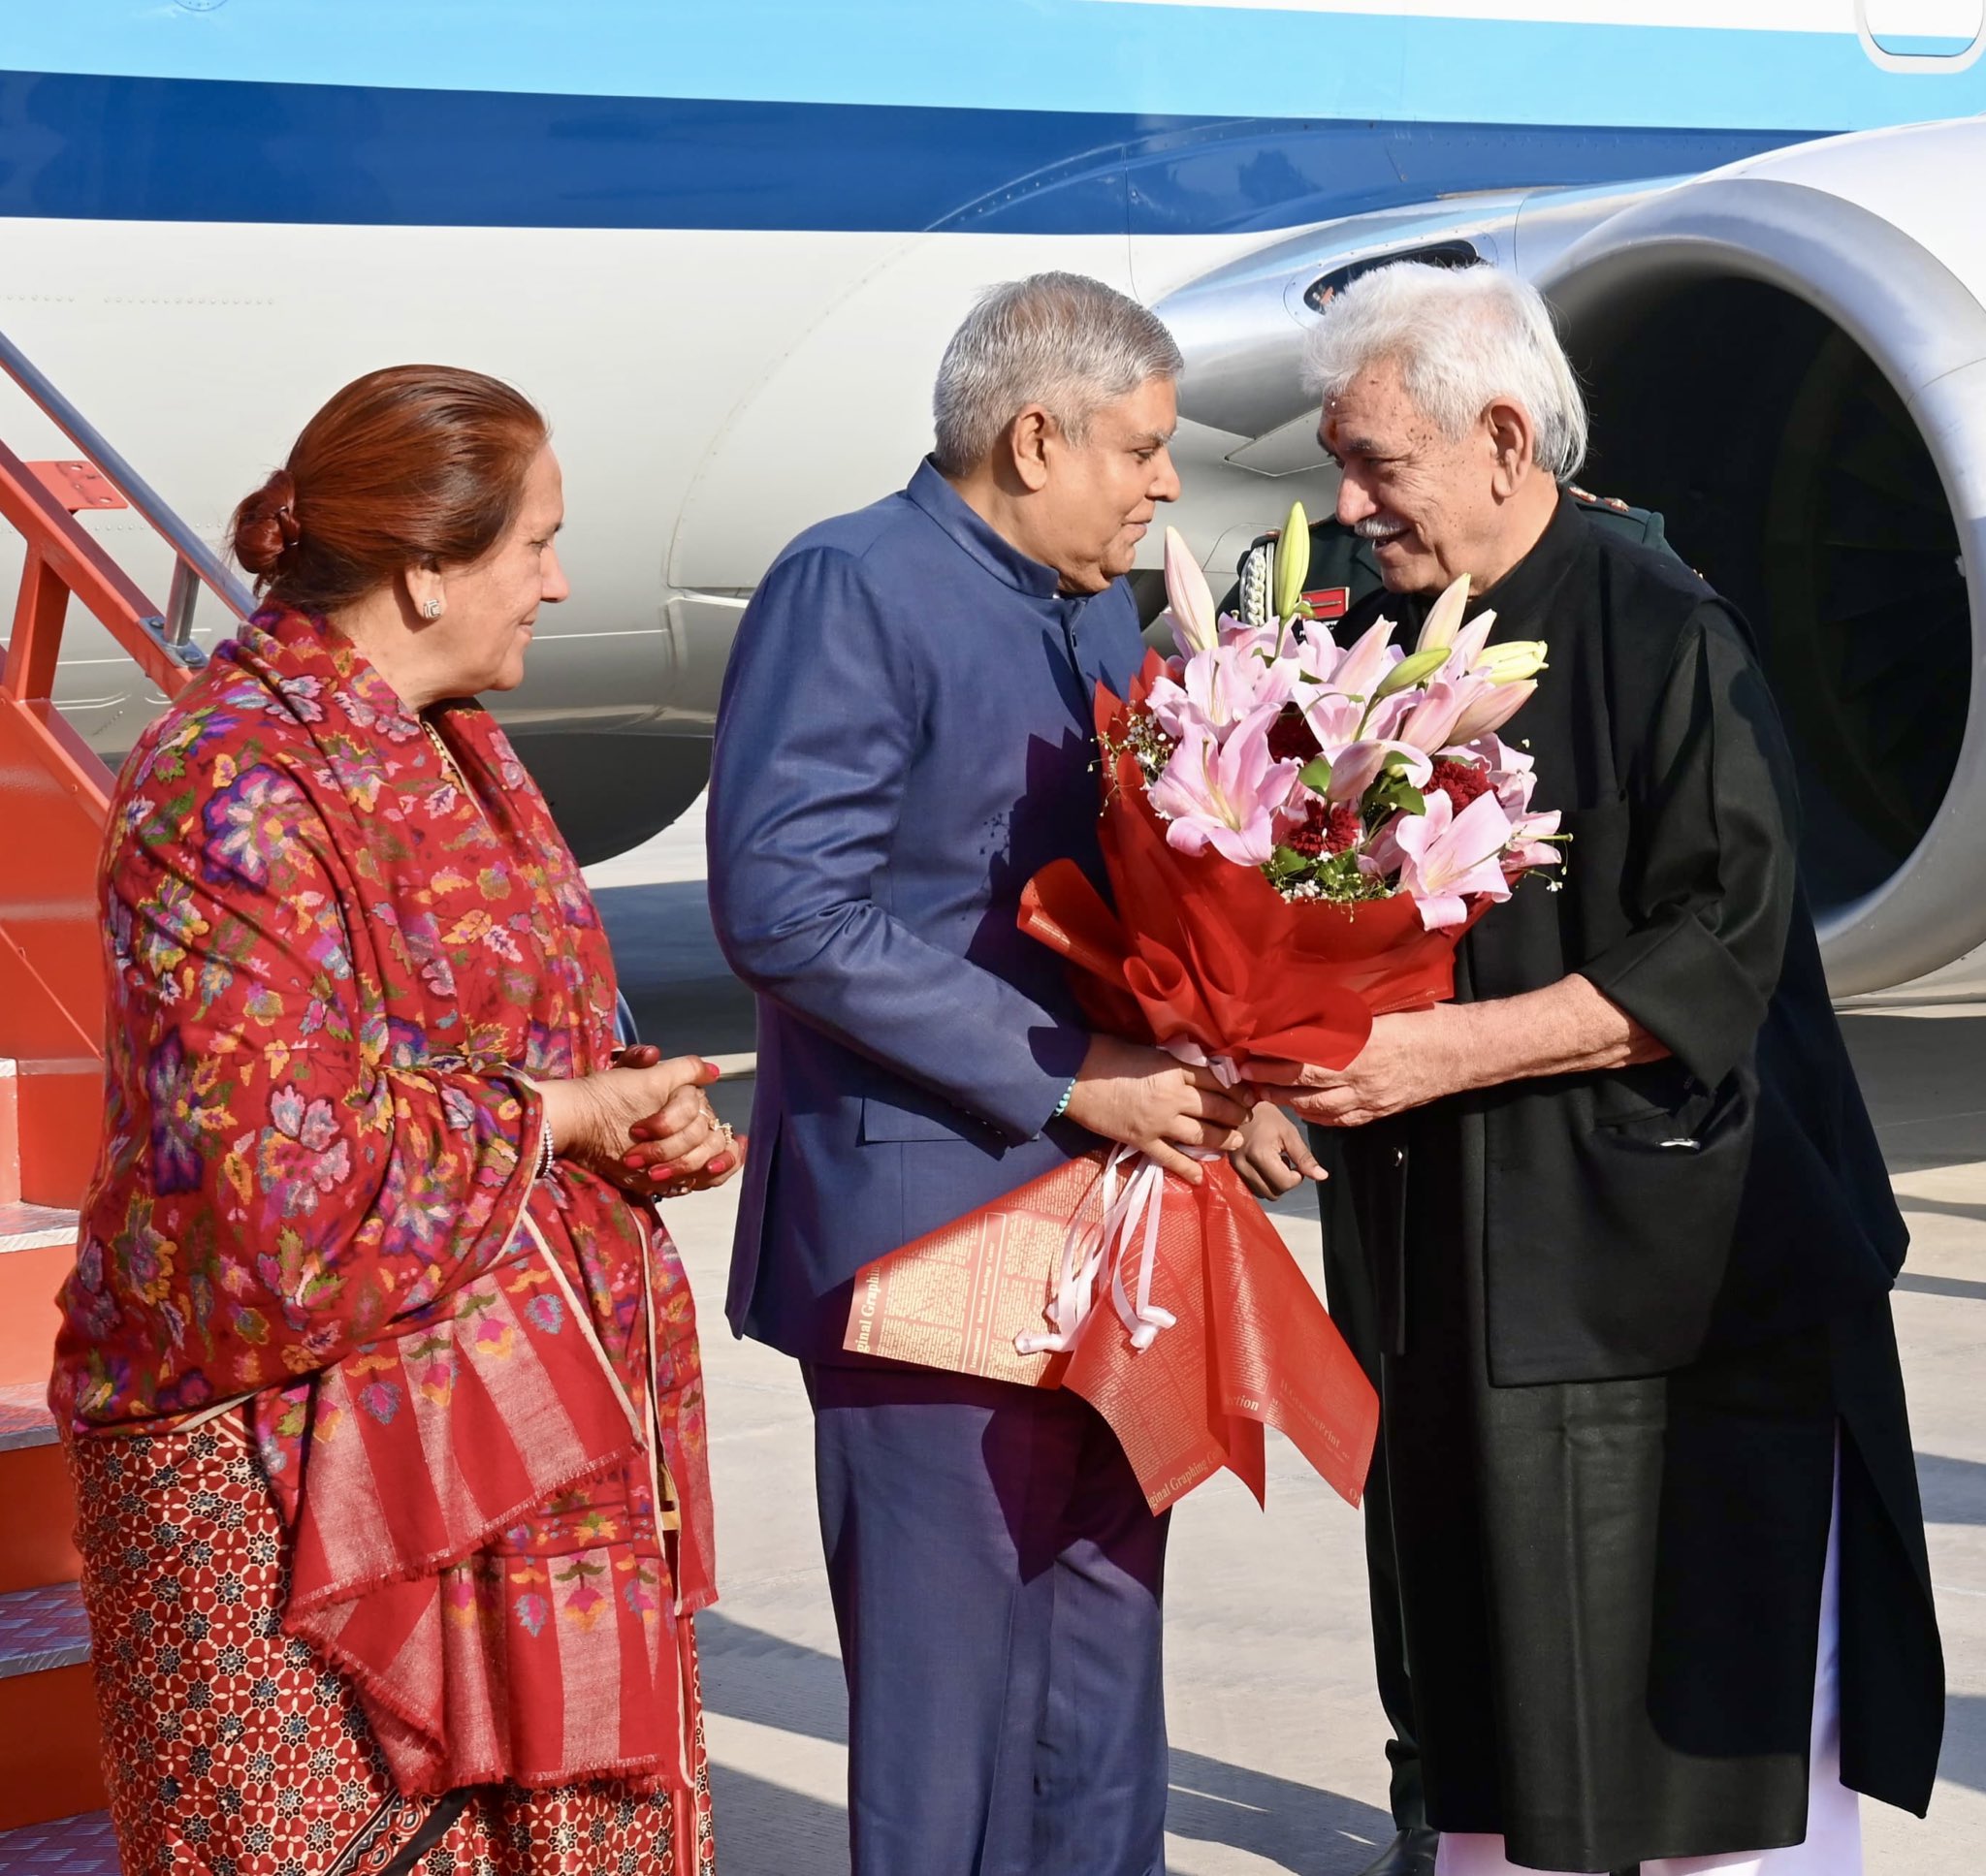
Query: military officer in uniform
{"points": [[1343, 572]]}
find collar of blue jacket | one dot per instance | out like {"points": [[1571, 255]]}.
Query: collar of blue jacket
{"points": [[993, 551]]}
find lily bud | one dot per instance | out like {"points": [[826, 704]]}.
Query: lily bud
{"points": [[1293, 562], [1415, 667], [1470, 641], [1188, 595], [1514, 662], [1493, 707], [1444, 617]]}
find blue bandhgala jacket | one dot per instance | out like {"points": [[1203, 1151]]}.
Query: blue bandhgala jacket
{"points": [[905, 737]]}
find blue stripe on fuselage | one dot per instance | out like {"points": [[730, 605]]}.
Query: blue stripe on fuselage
{"points": [[1078, 55], [204, 150]]}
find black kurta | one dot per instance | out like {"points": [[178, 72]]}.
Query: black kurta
{"points": [[1627, 1312]]}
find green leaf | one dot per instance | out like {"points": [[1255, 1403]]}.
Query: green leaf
{"points": [[1285, 863], [1394, 790], [1315, 775]]}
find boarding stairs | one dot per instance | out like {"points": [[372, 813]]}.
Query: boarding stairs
{"points": [[54, 799]]}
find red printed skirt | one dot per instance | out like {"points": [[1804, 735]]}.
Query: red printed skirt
{"points": [[228, 1748]]}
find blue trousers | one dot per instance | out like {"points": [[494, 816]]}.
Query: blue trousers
{"points": [[996, 1581]]}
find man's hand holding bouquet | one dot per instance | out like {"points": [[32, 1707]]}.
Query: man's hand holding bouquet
{"points": [[1296, 836]]}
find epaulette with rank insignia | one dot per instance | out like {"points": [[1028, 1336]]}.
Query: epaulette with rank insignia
{"points": [[1586, 495], [1641, 526]]}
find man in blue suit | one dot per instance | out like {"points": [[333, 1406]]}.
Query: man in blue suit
{"points": [[904, 739]]}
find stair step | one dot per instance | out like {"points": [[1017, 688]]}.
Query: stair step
{"points": [[80, 1846], [37, 1534], [58, 1123], [37, 1249], [42, 1629], [24, 1417], [33, 1227], [51, 1747]]}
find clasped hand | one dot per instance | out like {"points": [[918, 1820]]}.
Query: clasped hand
{"points": [[1410, 1060], [1143, 1098], [644, 1124]]}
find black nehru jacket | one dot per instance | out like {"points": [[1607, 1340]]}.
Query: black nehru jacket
{"points": [[1635, 1219]]}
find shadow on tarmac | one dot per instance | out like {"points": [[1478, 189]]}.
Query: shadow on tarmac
{"points": [[1965, 1743], [748, 1675], [1924, 1077], [1954, 1490], [667, 959]]}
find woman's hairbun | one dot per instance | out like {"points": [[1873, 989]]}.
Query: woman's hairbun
{"points": [[417, 466], [266, 526]]}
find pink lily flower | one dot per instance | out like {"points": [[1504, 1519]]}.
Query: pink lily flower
{"points": [[1430, 724], [1228, 796], [1513, 776], [1446, 857], [1189, 598], [1470, 641], [1487, 707], [1334, 718], [1357, 767], [1362, 668], [1318, 656], [1217, 689], [1529, 846]]}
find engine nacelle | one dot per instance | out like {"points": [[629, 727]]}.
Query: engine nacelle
{"points": [[1788, 359]]}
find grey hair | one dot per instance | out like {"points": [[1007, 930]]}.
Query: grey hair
{"points": [[1061, 340], [1461, 337]]}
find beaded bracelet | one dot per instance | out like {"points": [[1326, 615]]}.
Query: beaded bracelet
{"points": [[1062, 1106], [548, 1151]]}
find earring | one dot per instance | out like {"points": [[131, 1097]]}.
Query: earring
{"points": [[431, 610]]}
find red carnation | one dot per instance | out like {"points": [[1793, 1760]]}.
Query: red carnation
{"points": [[1326, 830], [1291, 739], [1460, 781]]}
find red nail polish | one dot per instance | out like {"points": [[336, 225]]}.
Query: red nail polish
{"points": [[712, 1069], [662, 1172], [721, 1163]]}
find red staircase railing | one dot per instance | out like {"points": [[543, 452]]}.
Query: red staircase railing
{"points": [[54, 802], [55, 793]]}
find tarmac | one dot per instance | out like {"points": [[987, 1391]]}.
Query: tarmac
{"points": [[1277, 1760]]}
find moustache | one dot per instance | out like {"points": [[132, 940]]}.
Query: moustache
{"points": [[1378, 527]]}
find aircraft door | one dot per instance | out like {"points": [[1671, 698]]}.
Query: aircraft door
{"points": [[1929, 36]]}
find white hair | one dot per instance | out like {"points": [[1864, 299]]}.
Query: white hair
{"points": [[1061, 340], [1461, 337]]}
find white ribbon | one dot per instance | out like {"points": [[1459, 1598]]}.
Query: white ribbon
{"points": [[1133, 1206]]}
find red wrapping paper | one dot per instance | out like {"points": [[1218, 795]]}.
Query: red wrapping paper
{"points": [[1197, 949]]}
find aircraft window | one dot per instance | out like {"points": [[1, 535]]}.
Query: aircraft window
{"points": [[1456, 253], [1922, 32]]}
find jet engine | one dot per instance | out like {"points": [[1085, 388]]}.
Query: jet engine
{"points": [[1788, 359]]}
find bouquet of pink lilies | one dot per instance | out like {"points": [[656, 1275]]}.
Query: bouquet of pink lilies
{"points": [[1345, 774], [1296, 839]]}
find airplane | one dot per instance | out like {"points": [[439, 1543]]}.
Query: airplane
{"points": [[722, 245]]}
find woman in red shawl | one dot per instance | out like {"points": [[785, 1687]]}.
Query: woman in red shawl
{"points": [[380, 1372]]}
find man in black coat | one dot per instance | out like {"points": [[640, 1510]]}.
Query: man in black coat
{"points": [[1342, 571], [1661, 1554]]}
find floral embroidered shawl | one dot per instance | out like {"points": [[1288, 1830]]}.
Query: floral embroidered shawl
{"points": [[476, 1394]]}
